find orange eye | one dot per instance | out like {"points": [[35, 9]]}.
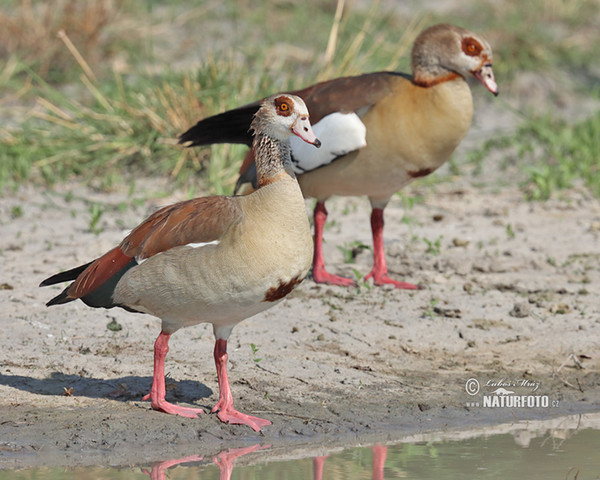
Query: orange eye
{"points": [[284, 107], [471, 47]]}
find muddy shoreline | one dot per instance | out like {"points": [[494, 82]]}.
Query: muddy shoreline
{"points": [[126, 434]]}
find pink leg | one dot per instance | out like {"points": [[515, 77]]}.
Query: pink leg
{"points": [[320, 275], [379, 454], [227, 413], [158, 392], [379, 271], [159, 470], [318, 464], [224, 460]]}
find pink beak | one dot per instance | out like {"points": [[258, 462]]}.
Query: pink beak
{"points": [[486, 77], [303, 129]]}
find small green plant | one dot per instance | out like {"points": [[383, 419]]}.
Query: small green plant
{"points": [[255, 350], [360, 281], [96, 212], [433, 246], [16, 212], [430, 310], [510, 233], [114, 326], [350, 250]]}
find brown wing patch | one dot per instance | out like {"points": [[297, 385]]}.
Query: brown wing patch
{"points": [[277, 293], [346, 94], [98, 272], [193, 221]]}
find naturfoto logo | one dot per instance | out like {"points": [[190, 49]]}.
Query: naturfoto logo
{"points": [[504, 393]]}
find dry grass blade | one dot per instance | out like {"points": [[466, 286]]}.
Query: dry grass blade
{"points": [[416, 25], [80, 60], [333, 34], [32, 31]]}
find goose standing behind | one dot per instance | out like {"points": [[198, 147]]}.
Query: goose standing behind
{"points": [[380, 131], [213, 259]]}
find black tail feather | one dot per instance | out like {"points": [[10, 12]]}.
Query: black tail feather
{"points": [[100, 297], [227, 127], [61, 298], [67, 276]]}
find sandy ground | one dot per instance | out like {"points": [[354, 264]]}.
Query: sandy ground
{"points": [[511, 296]]}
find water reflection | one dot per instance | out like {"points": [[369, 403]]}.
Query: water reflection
{"points": [[379, 455], [224, 460], [159, 470], [564, 448]]}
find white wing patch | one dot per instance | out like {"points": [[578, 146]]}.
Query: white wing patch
{"points": [[339, 133], [198, 245], [141, 260]]}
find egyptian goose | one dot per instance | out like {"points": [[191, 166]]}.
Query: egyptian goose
{"points": [[379, 131], [212, 259]]}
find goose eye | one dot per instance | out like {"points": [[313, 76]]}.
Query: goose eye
{"points": [[283, 106], [471, 47]]}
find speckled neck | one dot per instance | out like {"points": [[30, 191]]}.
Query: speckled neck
{"points": [[272, 158]]}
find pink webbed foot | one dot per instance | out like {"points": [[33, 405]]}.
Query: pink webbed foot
{"points": [[158, 391], [383, 279], [226, 411], [320, 275], [228, 414], [172, 409], [379, 272]]}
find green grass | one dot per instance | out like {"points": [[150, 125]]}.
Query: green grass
{"points": [[105, 100], [112, 130], [553, 154], [104, 127], [562, 155]]}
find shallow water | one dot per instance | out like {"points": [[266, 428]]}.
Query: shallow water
{"points": [[562, 448]]}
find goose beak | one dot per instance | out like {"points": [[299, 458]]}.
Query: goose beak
{"points": [[486, 76], [303, 129]]}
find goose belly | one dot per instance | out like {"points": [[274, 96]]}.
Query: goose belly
{"points": [[185, 286]]}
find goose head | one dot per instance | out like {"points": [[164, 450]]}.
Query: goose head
{"points": [[283, 115], [444, 50]]}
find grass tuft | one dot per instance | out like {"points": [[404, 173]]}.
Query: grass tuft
{"points": [[30, 30], [101, 90], [553, 154]]}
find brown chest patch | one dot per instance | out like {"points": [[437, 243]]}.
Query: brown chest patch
{"points": [[277, 293], [420, 173]]}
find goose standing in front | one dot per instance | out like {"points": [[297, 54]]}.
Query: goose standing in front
{"points": [[379, 131], [212, 259]]}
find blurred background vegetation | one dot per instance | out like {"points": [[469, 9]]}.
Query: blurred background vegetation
{"points": [[100, 90]]}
